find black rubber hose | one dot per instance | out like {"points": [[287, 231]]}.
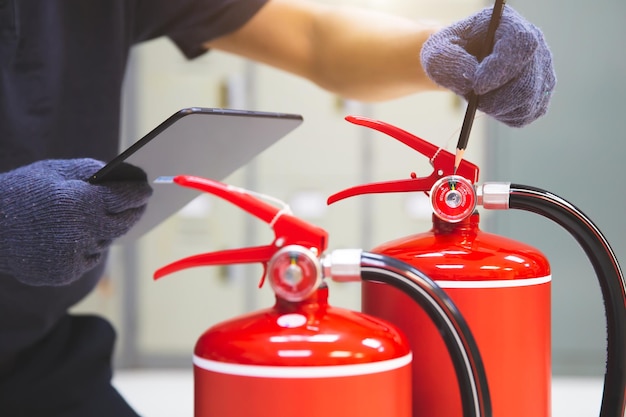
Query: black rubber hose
{"points": [[609, 275], [468, 364]]}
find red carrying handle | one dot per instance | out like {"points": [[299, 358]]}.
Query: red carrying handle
{"points": [[441, 160]]}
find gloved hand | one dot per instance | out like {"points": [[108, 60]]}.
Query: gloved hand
{"points": [[514, 82], [55, 226]]}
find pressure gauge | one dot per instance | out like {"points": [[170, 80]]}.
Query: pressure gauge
{"points": [[294, 272], [453, 198]]}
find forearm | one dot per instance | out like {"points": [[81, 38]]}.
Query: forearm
{"points": [[356, 53], [369, 56]]}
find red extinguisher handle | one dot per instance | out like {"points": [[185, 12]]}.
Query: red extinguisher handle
{"points": [[238, 196], [288, 229], [260, 254], [441, 160]]}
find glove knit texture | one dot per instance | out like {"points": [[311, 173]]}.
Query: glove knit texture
{"points": [[55, 226]]}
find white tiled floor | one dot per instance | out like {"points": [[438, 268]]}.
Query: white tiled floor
{"points": [[158, 393]]}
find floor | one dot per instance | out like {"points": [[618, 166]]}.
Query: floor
{"points": [[166, 393]]}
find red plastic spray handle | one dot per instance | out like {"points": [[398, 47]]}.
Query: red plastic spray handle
{"points": [[441, 160], [288, 229]]}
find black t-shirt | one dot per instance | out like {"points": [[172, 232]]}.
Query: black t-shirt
{"points": [[62, 64]]}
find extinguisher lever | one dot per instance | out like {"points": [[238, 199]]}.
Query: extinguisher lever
{"points": [[441, 160], [420, 145], [288, 229], [225, 257], [238, 196], [395, 186]]}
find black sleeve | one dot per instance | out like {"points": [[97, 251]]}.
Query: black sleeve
{"points": [[190, 23]]}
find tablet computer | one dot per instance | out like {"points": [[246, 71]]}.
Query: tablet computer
{"points": [[206, 142]]}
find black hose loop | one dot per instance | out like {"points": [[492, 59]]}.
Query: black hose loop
{"points": [[610, 277], [468, 364]]}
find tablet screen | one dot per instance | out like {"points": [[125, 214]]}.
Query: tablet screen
{"points": [[206, 142]]}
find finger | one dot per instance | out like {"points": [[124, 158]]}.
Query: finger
{"points": [[118, 197], [520, 102], [448, 64], [76, 169], [120, 223], [514, 48]]}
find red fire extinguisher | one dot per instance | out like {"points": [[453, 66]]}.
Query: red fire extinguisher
{"points": [[303, 357], [502, 288]]}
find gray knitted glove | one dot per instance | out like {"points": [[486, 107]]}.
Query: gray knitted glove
{"points": [[514, 82], [54, 226]]}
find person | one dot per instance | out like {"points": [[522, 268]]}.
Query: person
{"points": [[62, 65]]}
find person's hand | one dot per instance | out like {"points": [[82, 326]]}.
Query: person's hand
{"points": [[55, 226], [514, 83]]}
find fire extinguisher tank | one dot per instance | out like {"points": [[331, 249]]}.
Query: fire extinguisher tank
{"points": [[303, 359], [502, 288]]}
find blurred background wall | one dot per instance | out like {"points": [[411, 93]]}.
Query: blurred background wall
{"points": [[575, 151]]}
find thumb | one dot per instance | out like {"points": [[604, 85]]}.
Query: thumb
{"points": [[119, 196]]}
